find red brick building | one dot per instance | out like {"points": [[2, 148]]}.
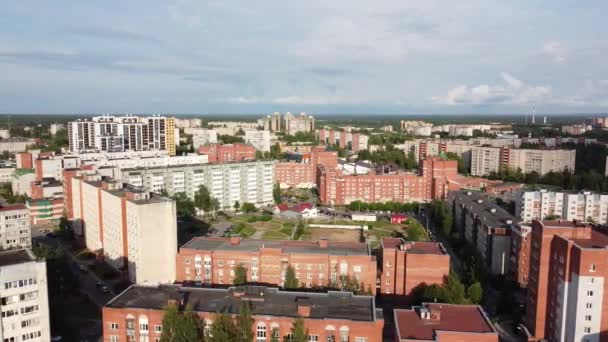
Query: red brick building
{"points": [[304, 174], [405, 265], [317, 264], [443, 323], [219, 153], [519, 260], [567, 286], [137, 313]]}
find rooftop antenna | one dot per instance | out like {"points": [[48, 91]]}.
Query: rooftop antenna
{"points": [[533, 117]]}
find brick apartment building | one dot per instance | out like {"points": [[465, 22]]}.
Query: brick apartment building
{"points": [[219, 153], [316, 264], [351, 141], [137, 313], [443, 323], [567, 285], [437, 177], [406, 265], [303, 174]]}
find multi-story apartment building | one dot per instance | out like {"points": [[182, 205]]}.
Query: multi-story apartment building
{"points": [[203, 136], [218, 153], [519, 263], [302, 172], [16, 145], [406, 265], [443, 323], [6, 174], [230, 182], [137, 313], [567, 280], [135, 231], [316, 264], [288, 123], [126, 133], [258, 139], [567, 205], [487, 226], [56, 127], [576, 129], [15, 227], [188, 123], [494, 159], [24, 296], [352, 141]]}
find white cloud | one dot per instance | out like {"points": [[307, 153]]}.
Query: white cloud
{"points": [[292, 100], [514, 91], [555, 50], [245, 100]]}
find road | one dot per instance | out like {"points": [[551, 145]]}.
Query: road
{"points": [[87, 279]]}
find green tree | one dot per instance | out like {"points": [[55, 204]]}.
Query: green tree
{"points": [[475, 292], [180, 326], [415, 232], [184, 205], [244, 324], [454, 290], [276, 193], [299, 333], [202, 199], [291, 281], [248, 207], [240, 275], [237, 205], [223, 329]]}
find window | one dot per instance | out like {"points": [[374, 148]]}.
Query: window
{"points": [[388, 281], [592, 268], [220, 263], [114, 326], [113, 338], [158, 329], [589, 293], [589, 306], [313, 338], [357, 268], [143, 327], [587, 330], [260, 332], [361, 339]]}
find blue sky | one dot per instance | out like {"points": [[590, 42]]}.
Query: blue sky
{"points": [[338, 56]]}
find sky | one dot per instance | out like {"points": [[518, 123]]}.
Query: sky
{"points": [[318, 56]]}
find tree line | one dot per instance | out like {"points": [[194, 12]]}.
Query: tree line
{"points": [[388, 155]]}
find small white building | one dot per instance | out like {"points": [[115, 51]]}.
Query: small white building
{"points": [[364, 217]]}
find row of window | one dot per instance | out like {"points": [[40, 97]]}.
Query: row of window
{"points": [[20, 283]]}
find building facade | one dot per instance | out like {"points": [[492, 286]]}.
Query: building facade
{"points": [[229, 182], [24, 294], [135, 231], [567, 279], [218, 153], [485, 160], [260, 140], [137, 313], [316, 264], [568, 205], [122, 133], [203, 136], [288, 123], [406, 265], [15, 231]]}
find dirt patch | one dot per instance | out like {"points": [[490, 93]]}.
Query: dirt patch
{"points": [[336, 235]]}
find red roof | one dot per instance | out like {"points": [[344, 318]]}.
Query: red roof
{"points": [[398, 216], [282, 207], [13, 207], [302, 206], [455, 318]]}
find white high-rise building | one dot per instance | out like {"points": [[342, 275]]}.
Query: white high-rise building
{"points": [[567, 205], [15, 229], [122, 133], [258, 139], [24, 297]]}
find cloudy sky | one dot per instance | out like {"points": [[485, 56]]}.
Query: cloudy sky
{"points": [[321, 56]]}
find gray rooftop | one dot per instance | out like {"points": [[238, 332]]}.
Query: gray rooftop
{"points": [[15, 257], [485, 207], [295, 247], [265, 301]]}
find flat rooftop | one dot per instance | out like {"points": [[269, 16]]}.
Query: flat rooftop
{"points": [[15, 257], [265, 301], [484, 206], [287, 246], [456, 318], [414, 247], [10, 207]]}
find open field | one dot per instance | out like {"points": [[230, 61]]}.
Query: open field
{"points": [[336, 235]]}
